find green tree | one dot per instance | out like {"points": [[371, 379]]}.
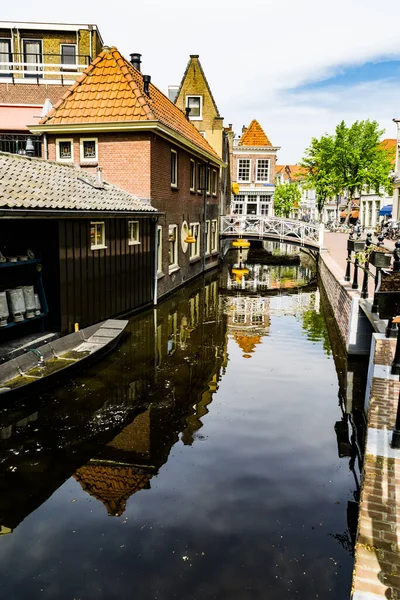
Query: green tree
{"points": [[286, 197], [348, 161]]}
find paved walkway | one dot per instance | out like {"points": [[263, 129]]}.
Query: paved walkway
{"points": [[376, 574]]}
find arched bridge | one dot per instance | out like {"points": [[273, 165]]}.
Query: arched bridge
{"points": [[292, 231]]}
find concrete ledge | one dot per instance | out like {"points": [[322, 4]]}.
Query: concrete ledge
{"points": [[378, 443]]}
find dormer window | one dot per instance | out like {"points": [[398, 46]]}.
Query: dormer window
{"points": [[195, 103]]}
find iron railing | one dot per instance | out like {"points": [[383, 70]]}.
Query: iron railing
{"points": [[290, 230]]}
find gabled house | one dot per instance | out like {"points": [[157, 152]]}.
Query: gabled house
{"points": [[38, 62], [307, 208], [114, 118], [86, 246], [194, 97], [253, 170]]}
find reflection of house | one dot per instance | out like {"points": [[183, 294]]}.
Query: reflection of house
{"points": [[253, 170], [37, 61], [248, 321], [116, 119]]}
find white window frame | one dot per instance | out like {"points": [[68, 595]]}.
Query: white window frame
{"points": [[214, 181], [159, 249], [238, 168], [194, 251], [214, 235], [269, 164], [208, 237], [199, 118], [173, 266], [58, 158], [175, 183], [192, 187], [103, 231], [82, 150], [67, 67], [133, 240]]}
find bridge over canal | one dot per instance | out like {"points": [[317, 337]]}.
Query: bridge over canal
{"points": [[263, 227]]}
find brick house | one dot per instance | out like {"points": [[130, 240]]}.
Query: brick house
{"points": [[39, 61], [253, 170], [114, 118]]}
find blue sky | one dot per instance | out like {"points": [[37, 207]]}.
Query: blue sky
{"points": [[298, 68]]}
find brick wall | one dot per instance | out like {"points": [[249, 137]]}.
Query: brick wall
{"points": [[141, 164], [124, 158], [339, 297], [253, 169], [13, 93]]}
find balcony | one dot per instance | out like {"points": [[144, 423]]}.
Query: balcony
{"points": [[42, 68]]}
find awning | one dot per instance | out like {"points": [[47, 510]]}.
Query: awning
{"points": [[386, 211], [16, 118], [354, 214]]}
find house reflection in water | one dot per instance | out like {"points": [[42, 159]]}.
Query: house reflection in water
{"points": [[190, 350], [113, 427]]}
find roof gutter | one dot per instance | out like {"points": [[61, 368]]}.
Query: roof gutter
{"points": [[153, 126], [12, 213]]}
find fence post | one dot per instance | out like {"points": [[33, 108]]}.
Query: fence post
{"points": [[321, 235]]}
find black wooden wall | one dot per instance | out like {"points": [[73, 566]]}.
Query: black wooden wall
{"points": [[98, 284]]}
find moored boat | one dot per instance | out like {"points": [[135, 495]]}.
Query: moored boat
{"points": [[39, 368]]}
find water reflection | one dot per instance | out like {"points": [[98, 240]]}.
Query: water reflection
{"points": [[181, 468]]}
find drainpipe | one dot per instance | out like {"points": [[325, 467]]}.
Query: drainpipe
{"points": [[155, 262], [207, 174], [45, 147]]}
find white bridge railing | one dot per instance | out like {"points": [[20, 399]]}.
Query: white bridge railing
{"points": [[289, 230]]}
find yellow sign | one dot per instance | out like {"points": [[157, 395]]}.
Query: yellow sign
{"points": [[235, 188]]}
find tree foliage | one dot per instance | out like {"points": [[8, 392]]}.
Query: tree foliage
{"points": [[286, 197], [348, 161]]}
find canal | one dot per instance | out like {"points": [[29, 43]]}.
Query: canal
{"points": [[213, 455]]}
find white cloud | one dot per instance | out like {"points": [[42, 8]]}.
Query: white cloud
{"points": [[252, 53]]}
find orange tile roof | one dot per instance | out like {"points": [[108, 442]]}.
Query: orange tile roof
{"points": [[254, 136], [295, 171], [111, 90], [390, 146]]}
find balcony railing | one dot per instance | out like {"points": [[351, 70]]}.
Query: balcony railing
{"points": [[46, 68]]}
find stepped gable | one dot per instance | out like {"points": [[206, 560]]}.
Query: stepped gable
{"points": [[111, 90], [254, 136], [112, 485]]}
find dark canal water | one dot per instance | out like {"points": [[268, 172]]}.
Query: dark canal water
{"points": [[211, 456]]}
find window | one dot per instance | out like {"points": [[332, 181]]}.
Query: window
{"points": [[264, 208], [172, 247], [88, 149], [5, 56], [133, 233], [214, 183], [244, 169], [32, 50], [208, 180], [214, 235], [238, 208], [192, 174], [97, 235], [68, 56], [262, 169], [195, 248], [174, 168], [65, 150], [159, 248], [195, 103], [172, 332], [208, 237]]}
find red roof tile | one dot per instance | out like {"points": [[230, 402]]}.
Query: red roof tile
{"points": [[254, 136], [111, 90]]}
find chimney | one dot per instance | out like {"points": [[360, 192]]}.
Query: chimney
{"points": [[136, 60], [244, 129], [99, 174], [187, 112], [146, 84]]}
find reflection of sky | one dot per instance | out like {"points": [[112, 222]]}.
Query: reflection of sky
{"points": [[244, 513]]}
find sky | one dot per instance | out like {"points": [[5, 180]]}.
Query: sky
{"points": [[299, 68]]}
